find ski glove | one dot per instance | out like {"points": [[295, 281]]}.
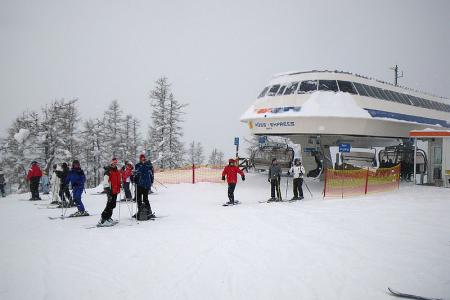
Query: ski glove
{"points": [[268, 180], [223, 178], [243, 178]]}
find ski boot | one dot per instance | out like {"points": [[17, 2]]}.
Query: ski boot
{"points": [[79, 214], [106, 223]]}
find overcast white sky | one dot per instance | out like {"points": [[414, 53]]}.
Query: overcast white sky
{"points": [[217, 54]]}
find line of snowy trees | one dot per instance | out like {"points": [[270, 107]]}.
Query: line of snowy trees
{"points": [[57, 134]]}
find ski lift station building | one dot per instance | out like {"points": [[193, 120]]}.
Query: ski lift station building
{"points": [[321, 109], [438, 153]]}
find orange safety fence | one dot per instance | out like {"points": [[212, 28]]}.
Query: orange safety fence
{"points": [[189, 174], [344, 183]]}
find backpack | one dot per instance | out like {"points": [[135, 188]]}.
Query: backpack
{"points": [[143, 214]]}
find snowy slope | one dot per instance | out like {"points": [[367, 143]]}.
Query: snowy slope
{"points": [[318, 249]]}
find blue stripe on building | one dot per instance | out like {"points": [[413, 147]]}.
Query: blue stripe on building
{"points": [[397, 116]]}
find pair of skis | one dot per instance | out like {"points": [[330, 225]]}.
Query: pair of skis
{"points": [[409, 296], [236, 202], [280, 201], [62, 217]]}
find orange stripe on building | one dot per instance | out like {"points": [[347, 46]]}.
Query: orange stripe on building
{"points": [[429, 133]]}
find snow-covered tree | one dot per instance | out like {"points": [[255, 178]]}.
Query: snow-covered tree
{"points": [[195, 153], [21, 147], [93, 156], [165, 133], [113, 131], [58, 133], [53, 135], [216, 158]]}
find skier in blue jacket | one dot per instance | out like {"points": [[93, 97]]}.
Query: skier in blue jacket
{"points": [[77, 179], [143, 178]]}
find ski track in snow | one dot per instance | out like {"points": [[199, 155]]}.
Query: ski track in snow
{"points": [[314, 249]]}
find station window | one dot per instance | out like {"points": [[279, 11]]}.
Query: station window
{"points": [[378, 92], [414, 100], [390, 95], [273, 90], [308, 86], [263, 93], [291, 88], [371, 91], [281, 90], [427, 103], [346, 87], [405, 99], [446, 107], [328, 85], [397, 97], [360, 88]]}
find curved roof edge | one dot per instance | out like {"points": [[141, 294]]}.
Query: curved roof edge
{"points": [[360, 76]]}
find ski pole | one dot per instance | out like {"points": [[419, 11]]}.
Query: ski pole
{"points": [[287, 185], [160, 183], [308, 189], [120, 200]]}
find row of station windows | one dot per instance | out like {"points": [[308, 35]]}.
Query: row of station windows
{"points": [[309, 86]]}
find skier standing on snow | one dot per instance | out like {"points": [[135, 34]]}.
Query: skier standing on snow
{"points": [[64, 187], [55, 184], [77, 179], [34, 176], [127, 171], [274, 179], [111, 185], [297, 171], [2, 183], [230, 172], [143, 177]]}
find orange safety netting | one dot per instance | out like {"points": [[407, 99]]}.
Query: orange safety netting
{"points": [[344, 183], [189, 174]]}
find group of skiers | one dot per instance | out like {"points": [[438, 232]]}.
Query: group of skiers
{"points": [[113, 181], [297, 170], [142, 175]]}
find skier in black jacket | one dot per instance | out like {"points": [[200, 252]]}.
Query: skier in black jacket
{"points": [[64, 191]]}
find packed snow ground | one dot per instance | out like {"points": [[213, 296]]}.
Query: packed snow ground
{"points": [[316, 249]]}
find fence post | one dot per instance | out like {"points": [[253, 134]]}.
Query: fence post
{"points": [[193, 173], [325, 183], [367, 180]]}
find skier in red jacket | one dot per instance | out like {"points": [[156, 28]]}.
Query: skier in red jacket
{"points": [[34, 176], [126, 172], [111, 184], [231, 172]]}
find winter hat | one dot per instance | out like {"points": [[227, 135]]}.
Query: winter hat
{"points": [[34, 162], [231, 161], [114, 160], [141, 156], [76, 163]]}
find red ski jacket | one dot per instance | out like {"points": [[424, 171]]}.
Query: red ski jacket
{"points": [[114, 180], [127, 173], [34, 171], [231, 173]]}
